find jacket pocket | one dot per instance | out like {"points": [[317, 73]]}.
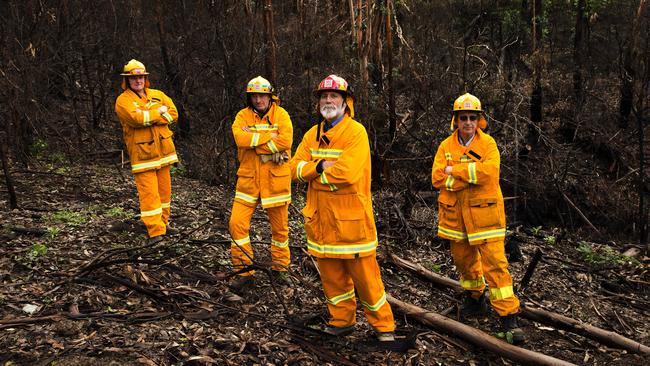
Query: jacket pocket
{"points": [[166, 143], [145, 150], [448, 211], [350, 218], [246, 181], [311, 222], [280, 180], [485, 212]]}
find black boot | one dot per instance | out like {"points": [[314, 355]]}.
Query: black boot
{"points": [[241, 283], [472, 306], [509, 325]]}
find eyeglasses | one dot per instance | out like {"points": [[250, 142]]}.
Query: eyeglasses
{"points": [[472, 118]]}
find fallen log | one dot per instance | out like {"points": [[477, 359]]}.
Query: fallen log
{"points": [[541, 316], [474, 336], [572, 325]]}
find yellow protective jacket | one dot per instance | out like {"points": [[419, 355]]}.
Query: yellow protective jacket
{"points": [[147, 135], [338, 214], [268, 181], [470, 204]]}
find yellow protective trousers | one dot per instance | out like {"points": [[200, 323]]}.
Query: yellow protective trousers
{"points": [[478, 263], [155, 192], [340, 277], [241, 250]]}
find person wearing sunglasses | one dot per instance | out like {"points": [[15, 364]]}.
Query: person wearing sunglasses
{"points": [[471, 215]]}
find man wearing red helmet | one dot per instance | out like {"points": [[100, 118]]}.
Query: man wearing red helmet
{"points": [[334, 158], [471, 214]]}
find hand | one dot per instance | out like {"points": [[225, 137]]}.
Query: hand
{"points": [[246, 129], [274, 135], [277, 158], [162, 109], [280, 157], [448, 169], [328, 163]]}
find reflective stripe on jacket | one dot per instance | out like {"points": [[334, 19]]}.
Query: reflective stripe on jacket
{"points": [[470, 204], [338, 213], [147, 136], [256, 180]]}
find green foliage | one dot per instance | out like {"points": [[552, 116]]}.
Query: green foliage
{"points": [[535, 230], [36, 252], [178, 170], [38, 147], [550, 239], [433, 266], [68, 217], [505, 336], [118, 212], [58, 158], [52, 232], [604, 255]]}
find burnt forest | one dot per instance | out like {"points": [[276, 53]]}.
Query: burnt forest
{"points": [[565, 89]]}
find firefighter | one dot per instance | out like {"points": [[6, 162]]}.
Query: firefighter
{"points": [[471, 214], [263, 133], [334, 158], [145, 115]]}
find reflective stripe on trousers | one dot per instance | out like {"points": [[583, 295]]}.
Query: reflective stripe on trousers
{"points": [[154, 189], [239, 226]]}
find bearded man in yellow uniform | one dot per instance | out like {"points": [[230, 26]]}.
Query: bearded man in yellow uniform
{"points": [[334, 158]]}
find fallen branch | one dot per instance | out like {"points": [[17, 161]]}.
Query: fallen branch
{"points": [[474, 336], [576, 326], [546, 317]]}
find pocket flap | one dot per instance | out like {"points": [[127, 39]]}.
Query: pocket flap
{"points": [[282, 171], [308, 211], [482, 202], [446, 199], [245, 172], [166, 133], [350, 214]]}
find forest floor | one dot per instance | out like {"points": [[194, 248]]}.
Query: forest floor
{"points": [[78, 285]]}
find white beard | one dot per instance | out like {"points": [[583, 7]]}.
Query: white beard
{"points": [[331, 112]]}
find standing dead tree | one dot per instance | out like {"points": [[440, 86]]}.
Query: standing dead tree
{"points": [[13, 202], [271, 44]]}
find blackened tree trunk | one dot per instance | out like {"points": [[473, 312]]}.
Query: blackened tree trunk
{"points": [[13, 202], [577, 54], [172, 74], [631, 57], [536, 95], [271, 45], [392, 120]]}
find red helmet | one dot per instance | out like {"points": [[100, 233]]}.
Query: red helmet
{"points": [[333, 83]]}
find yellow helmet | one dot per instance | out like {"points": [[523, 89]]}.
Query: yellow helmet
{"points": [[259, 85], [336, 83], [470, 103], [134, 68]]}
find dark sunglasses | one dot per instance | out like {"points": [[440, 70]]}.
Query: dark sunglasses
{"points": [[465, 118]]}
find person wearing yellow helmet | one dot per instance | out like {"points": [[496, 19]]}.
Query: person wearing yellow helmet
{"points": [[263, 134], [145, 115], [334, 158], [471, 214]]}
